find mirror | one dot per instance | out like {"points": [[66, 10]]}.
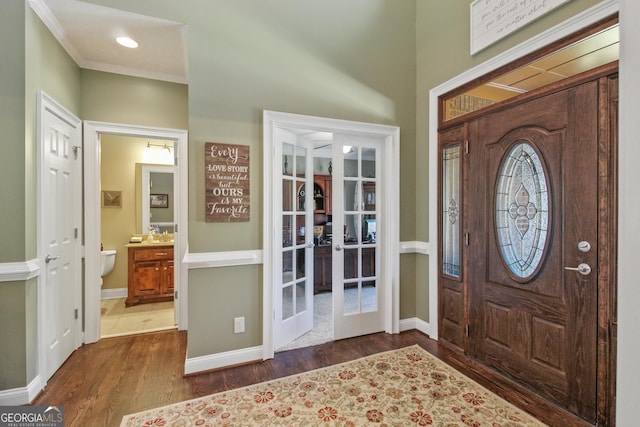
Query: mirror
{"points": [[155, 202]]}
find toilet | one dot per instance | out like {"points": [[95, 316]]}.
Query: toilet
{"points": [[107, 262]]}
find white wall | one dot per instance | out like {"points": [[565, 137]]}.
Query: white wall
{"points": [[629, 218]]}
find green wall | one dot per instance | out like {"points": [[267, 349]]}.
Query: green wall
{"points": [[116, 98], [12, 123], [354, 60], [32, 60]]}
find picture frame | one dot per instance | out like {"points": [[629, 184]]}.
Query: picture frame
{"points": [[159, 201], [111, 199]]}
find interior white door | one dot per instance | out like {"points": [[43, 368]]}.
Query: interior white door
{"points": [[293, 213], [60, 237], [358, 285]]}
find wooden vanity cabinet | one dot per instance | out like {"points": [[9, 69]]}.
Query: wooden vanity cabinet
{"points": [[150, 274]]}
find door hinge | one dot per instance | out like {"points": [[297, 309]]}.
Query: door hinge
{"points": [[466, 146], [175, 228], [466, 239], [75, 314], [175, 294], [75, 233], [466, 330]]}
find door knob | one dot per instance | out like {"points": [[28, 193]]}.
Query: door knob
{"points": [[310, 245], [584, 269], [49, 258], [338, 247]]}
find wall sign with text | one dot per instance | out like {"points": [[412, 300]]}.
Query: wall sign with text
{"points": [[226, 182], [492, 20]]}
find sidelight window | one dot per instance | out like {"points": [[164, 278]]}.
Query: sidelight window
{"points": [[451, 214]]}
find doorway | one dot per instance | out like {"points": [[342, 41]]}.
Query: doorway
{"points": [[300, 226], [139, 173], [93, 132]]}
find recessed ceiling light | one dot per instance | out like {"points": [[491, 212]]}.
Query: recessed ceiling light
{"points": [[127, 42]]}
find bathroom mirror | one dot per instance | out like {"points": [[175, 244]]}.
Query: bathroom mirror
{"points": [[154, 182]]}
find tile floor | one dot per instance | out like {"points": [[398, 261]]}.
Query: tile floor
{"points": [[116, 319]]}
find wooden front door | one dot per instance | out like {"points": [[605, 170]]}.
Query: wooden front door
{"points": [[532, 216]]}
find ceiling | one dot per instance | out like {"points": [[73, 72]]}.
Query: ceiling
{"points": [[88, 31]]}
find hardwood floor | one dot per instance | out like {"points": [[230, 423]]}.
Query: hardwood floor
{"points": [[102, 382]]}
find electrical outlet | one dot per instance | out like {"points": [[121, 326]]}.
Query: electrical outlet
{"points": [[238, 325]]}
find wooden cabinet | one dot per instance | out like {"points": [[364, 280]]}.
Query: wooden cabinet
{"points": [[150, 274], [321, 195], [323, 183], [323, 266]]}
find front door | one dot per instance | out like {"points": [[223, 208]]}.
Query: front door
{"points": [[532, 216], [60, 235]]}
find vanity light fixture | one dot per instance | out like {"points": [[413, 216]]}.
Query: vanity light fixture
{"points": [[162, 156], [127, 42]]}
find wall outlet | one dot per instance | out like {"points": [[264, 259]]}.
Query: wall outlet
{"points": [[238, 325]]}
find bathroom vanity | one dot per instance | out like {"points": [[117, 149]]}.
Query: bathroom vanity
{"points": [[150, 273]]}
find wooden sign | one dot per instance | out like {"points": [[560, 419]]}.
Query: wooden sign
{"points": [[492, 20], [226, 182]]}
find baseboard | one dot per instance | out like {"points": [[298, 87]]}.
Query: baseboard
{"points": [[114, 293], [221, 360], [416, 323], [22, 395]]}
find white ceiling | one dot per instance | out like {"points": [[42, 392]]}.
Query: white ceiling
{"points": [[87, 32]]}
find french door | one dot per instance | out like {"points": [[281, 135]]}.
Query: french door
{"points": [[358, 235], [293, 281], [520, 249]]}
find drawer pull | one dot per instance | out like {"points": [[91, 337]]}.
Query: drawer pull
{"points": [[161, 254]]}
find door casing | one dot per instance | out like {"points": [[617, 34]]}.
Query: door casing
{"points": [[391, 164]]}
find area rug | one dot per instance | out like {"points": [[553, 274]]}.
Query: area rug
{"points": [[405, 387]]}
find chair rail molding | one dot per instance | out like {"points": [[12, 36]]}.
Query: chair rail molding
{"points": [[19, 271]]}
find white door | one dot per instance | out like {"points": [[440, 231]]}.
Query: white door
{"points": [[293, 211], [358, 285], [60, 210]]}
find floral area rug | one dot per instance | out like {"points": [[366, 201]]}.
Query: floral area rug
{"points": [[405, 387]]}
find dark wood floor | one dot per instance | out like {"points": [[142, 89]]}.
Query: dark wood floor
{"points": [[102, 382]]}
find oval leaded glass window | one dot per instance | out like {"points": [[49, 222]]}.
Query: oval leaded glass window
{"points": [[522, 210]]}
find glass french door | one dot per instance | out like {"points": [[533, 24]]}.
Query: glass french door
{"points": [[293, 281], [357, 237]]}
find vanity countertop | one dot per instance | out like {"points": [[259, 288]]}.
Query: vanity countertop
{"points": [[146, 243]]}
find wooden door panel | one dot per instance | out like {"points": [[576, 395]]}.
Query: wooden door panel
{"points": [[452, 319], [538, 328], [552, 144]]}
